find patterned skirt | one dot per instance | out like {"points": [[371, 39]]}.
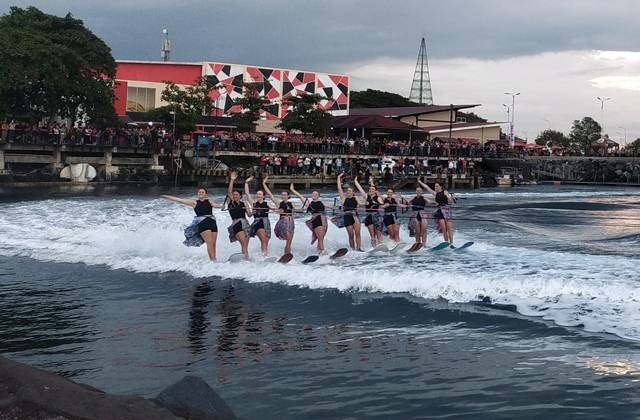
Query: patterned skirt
{"points": [[316, 220], [417, 216], [237, 226], [284, 226], [443, 212], [349, 218], [260, 223], [191, 234], [374, 219]]}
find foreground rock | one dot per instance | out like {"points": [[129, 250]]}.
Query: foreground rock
{"points": [[30, 393]]}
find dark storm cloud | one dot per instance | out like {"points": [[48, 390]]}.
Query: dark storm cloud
{"points": [[328, 34]]}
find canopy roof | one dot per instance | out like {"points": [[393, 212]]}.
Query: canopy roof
{"points": [[369, 122]]}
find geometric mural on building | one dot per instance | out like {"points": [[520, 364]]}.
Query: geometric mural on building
{"points": [[230, 79], [296, 83], [335, 91], [269, 83]]}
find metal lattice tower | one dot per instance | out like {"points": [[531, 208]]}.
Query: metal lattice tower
{"points": [[421, 86]]}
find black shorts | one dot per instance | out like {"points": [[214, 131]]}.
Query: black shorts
{"points": [[418, 217], [316, 222], [237, 228], [389, 219], [438, 215], [349, 220], [207, 224], [368, 220], [259, 225]]}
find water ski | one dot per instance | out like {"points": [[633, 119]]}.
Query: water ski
{"points": [[398, 248], [463, 246], [285, 258], [234, 258], [441, 245], [310, 259], [415, 247], [378, 249], [270, 259], [339, 253]]}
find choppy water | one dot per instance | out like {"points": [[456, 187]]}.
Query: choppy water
{"points": [[101, 289]]}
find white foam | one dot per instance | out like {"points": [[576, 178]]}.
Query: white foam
{"points": [[599, 293]]}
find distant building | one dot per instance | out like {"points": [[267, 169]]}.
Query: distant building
{"points": [[438, 121], [139, 86]]}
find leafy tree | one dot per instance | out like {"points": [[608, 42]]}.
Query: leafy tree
{"points": [[584, 133], [553, 137], [634, 147], [305, 115], [251, 103], [188, 104], [54, 66], [372, 98]]}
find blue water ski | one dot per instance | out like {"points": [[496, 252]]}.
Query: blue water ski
{"points": [[441, 245], [463, 246]]}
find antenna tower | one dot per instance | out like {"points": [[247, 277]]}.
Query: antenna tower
{"points": [[166, 46], [421, 86]]}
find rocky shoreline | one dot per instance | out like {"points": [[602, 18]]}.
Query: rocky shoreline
{"points": [[30, 393]]}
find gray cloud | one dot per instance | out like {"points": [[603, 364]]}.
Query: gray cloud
{"points": [[326, 35]]}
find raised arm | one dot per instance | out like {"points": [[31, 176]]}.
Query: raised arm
{"points": [[297, 194], [247, 191], [268, 191], [190, 203], [216, 205], [340, 192], [359, 187], [402, 202], [232, 178], [426, 187]]}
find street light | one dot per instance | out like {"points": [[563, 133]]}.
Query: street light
{"points": [[513, 113], [602, 101], [625, 134], [548, 123]]}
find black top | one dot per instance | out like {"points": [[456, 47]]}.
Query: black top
{"points": [[350, 204], [286, 207], [237, 210], [441, 199], [203, 208], [372, 203], [261, 209], [393, 204], [316, 207], [418, 203]]}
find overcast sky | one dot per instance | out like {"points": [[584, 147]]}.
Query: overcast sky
{"points": [[559, 54]]}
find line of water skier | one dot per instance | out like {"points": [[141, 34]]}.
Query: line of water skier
{"points": [[356, 207]]}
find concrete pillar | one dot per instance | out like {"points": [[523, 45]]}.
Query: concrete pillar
{"points": [[2, 162], [156, 159], [56, 161]]}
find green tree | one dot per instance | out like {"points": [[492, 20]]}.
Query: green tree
{"points": [[251, 103], [634, 147], [552, 137], [54, 66], [372, 98], [188, 104], [305, 115], [584, 133]]}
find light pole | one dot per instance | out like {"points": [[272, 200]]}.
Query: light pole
{"points": [[548, 123], [508, 107], [602, 101], [625, 134], [513, 114]]}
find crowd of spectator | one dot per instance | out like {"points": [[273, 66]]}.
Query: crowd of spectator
{"points": [[58, 133], [307, 165], [156, 138]]}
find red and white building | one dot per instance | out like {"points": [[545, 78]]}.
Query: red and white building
{"points": [[139, 86]]}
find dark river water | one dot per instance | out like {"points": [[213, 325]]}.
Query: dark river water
{"points": [[539, 318]]}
